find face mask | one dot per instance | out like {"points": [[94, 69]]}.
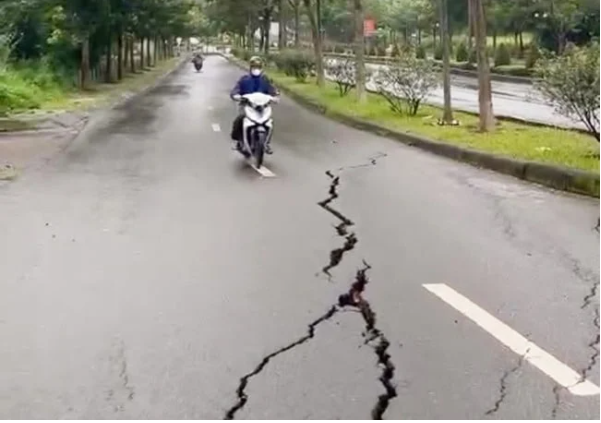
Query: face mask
{"points": [[255, 72]]}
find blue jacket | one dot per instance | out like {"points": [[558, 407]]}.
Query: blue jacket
{"points": [[249, 84]]}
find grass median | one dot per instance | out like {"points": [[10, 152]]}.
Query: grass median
{"points": [[520, 141]]}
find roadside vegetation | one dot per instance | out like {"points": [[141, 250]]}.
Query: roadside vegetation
{"points": [[556, 43], [67, 53], [517, 140]]}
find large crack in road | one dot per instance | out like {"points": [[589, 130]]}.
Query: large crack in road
{"points": [[374, 337], [241, 391], [353, 298], [337, 254]]}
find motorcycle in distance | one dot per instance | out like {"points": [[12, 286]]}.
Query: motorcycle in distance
{"points": [[257, 125], [198, 62]]}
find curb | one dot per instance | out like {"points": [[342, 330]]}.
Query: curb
{"points": [[153, 85], [556, 177], [84, 116], [94, 115], [85, 119]]}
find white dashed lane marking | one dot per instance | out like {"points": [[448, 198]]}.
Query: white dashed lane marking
{"points": [[531, 353], [263, 171]]}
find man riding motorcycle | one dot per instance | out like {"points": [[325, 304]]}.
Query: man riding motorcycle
{"points": [[253, 82], [198, 60]]}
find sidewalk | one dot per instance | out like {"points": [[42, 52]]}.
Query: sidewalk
{"points": [[28, 140]]}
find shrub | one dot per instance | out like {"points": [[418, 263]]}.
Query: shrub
{"points": [[502, 55], [473, 56], [16, 93], [297, 63], [533, 56], [438, 52], [246, 55], [406, 83], [338, 48], [373, 51], [381, 51], [462, 54], [571, 84], [395, 52], [420, 52], [343, 73]]}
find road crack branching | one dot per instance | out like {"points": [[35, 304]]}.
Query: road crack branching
{"points": [[241, 391], [557, 401], [372, 161], [587, 301], [594, 346], [350, 239], [373, 336], [350, 301], [504, 384]]}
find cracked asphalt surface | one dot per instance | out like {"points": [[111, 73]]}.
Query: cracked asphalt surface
{"points": [[147, 272]]}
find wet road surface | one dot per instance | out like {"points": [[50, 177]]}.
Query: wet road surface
{"points": [[147, 272], [513, 100]]}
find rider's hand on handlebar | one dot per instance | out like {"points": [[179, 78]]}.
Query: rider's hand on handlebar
{"points": [[236, 97]]}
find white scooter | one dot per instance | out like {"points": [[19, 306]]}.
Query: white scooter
{"points": [[257, 125]]}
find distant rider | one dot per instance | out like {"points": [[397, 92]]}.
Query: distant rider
{"points": [[253, 82], [198, 59]]}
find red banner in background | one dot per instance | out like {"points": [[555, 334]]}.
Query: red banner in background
{"points": [[369, 27]]}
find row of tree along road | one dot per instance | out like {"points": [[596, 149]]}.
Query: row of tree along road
{"points": [[49, 47]]}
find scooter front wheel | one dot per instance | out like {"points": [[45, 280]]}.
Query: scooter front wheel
{"points": [[259, 151]]}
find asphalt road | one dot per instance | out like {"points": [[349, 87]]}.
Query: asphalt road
{"points": [[520, 101], [148, 272]]}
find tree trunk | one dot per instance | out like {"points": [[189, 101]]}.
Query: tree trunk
{"points": [[132, 59], [120, 57], [267, 40], [470, 27], [282, 25], [434, 37], [297, 25], [109, 61], [249, 33], [359, 51], [317, 47], [126, 53], [447, 116], [521, 50], [494, 39], [487, 120], [148, 55], [85, 64], [419, 36], [142, 62], [156, 50]]}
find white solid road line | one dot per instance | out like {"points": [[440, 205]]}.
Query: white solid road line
{"points": [[216, 127], [545, 362], [263, 171]]}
